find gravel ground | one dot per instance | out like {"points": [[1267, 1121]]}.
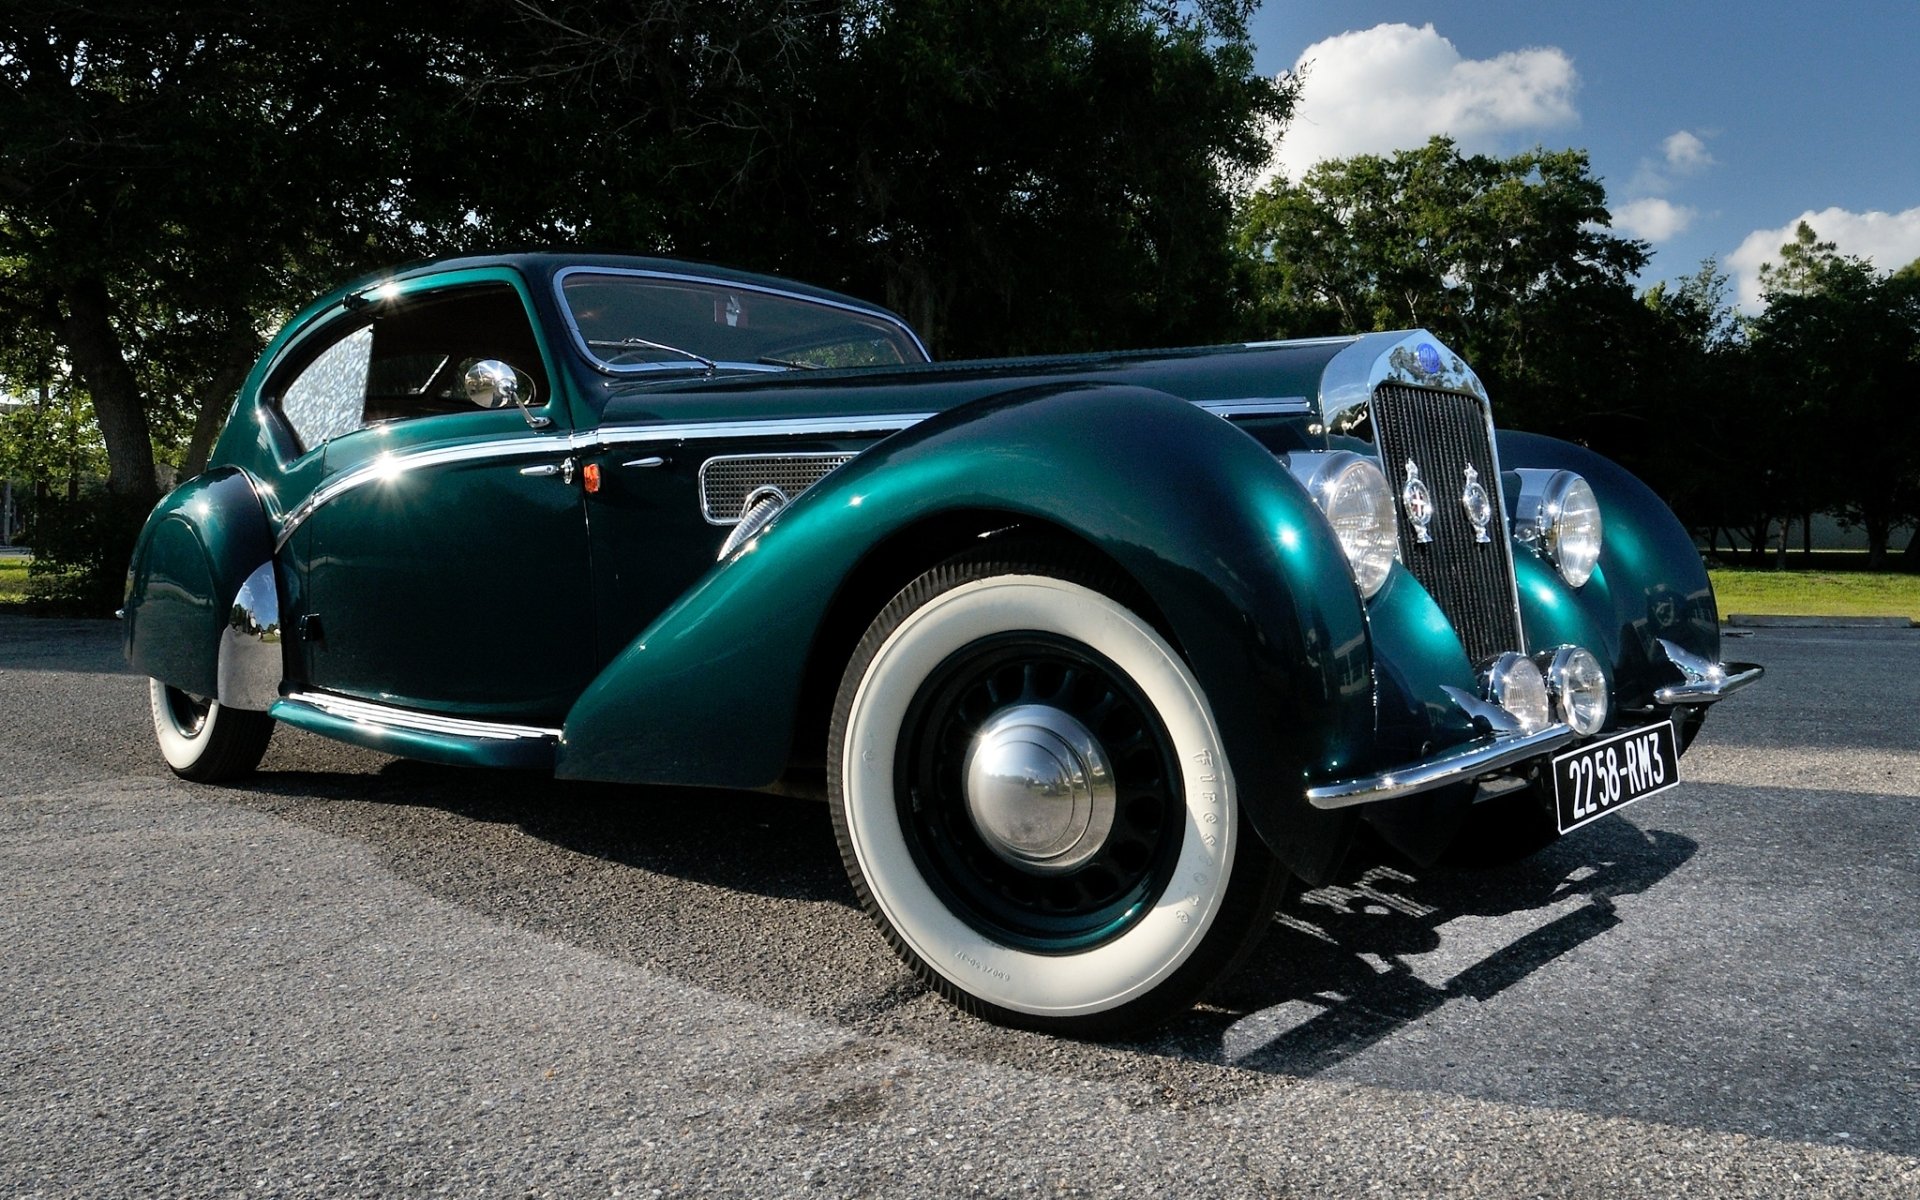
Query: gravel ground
{"points": [[359, 976]]}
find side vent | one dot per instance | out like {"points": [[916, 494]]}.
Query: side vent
{"points": [[730, 486]]}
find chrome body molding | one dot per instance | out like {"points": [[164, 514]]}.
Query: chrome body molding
{"points": [[1703, 681], [366, 712], [1461, 764], [250, 665], [626, 435], [392, 466], [1278, 406], [1415, 358]]}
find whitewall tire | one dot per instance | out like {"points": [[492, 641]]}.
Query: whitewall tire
{"points": [[1033, 801], [203, 740]]}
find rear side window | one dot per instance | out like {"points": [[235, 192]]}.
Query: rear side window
{"points": [[407, 358]]}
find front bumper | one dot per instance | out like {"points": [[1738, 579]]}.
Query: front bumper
{"points": [[1504, 749]]}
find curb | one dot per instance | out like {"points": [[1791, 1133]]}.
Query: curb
{"points": [[1766, 621]]}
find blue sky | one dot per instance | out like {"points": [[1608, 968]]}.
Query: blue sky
{"points": [[1715, 126]]}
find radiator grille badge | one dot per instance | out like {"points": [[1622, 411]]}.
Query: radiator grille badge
{"points": [[1478, 505], [1418, 502]]}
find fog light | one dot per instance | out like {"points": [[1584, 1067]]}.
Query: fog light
{"points": [[1515, 684], [1579, 689]]}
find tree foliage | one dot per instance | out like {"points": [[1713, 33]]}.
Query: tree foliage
{"points": [[174, 181]]}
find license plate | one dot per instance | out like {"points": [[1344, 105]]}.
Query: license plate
{"points": [[1604, 776]]}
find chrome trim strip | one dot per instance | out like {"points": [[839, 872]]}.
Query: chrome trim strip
{"points": [[1704, 681], [1461, 764], [1275, 407], [391, 465], [365, 712], [764, 427], [580, 342]]}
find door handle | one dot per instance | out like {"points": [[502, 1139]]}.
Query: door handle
{"points": [[563, 469]]}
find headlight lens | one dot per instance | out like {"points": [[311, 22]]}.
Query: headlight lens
{"points": [[1559, 514], [1579, 688], [1515, 684], [1357, 501]]}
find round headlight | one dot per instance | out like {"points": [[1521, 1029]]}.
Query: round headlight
{"points": [[1515, 684], [1357, 501], [1574, 528], [1559, 515], [1579, 689]]}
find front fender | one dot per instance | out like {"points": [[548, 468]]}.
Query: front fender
{"points": [[196, 551], [1247, 574], [1650, 581]]}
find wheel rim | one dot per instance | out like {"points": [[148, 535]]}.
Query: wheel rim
{"points": [[186, 712], [1039, 793]]}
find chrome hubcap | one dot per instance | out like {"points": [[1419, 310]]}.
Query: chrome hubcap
{"points": [[1039, 789]]}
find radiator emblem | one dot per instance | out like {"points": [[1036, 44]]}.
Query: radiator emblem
{"points": [[1418, 502], [1478, 505]]}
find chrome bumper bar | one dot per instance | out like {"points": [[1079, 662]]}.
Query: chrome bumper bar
{"points": [[1702, 681], [1461, 764]]}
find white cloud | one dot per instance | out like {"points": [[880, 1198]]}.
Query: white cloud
{"points": [[1652, 218], [1888, 240], [1686, 153], [1392, 87]]}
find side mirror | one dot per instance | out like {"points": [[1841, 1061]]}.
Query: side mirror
{"points": [[491, 383]]}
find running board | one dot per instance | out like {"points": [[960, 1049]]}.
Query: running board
{"points": [[426, 736]]}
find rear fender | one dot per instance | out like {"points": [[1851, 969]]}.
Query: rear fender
{"points": [[208, 542], [1233, 554]]}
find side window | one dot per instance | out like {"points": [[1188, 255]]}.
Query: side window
{"points": [[409, 359], [325, 399]]}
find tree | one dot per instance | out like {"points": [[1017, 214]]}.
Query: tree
{"points": [[1843, 347], [1507, 259]]}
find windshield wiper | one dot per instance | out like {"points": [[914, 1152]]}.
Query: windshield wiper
{"points": [[771, 361], [640, 343]]}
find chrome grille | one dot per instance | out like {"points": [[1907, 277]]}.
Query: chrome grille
{"points": [[1472, 581], [725, 483]]}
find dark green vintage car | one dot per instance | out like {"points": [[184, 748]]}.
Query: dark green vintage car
{"points": [[1091, 655]]}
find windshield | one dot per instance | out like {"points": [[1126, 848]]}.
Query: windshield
{"points": [[630, 321]]}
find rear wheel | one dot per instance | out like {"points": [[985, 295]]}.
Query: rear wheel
{"points": [[203, 740], [1032, 800]]}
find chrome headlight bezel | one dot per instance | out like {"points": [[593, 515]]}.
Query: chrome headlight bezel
{"points": [[1559, 516], [1578, 685], [1514, 682], [1354, 497]]}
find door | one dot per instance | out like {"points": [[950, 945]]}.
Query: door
{"points": [[446, 563]]}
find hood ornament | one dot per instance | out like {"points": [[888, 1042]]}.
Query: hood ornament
{"points": [[1478, 504], [1418, 501]]}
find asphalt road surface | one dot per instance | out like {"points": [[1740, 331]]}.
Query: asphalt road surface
{"points": [[365, 977]]}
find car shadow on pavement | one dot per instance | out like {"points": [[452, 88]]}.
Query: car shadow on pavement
{"points": [[1388, 944], [1344, 967]]}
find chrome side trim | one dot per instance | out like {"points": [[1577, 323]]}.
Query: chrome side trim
{"points": [[1461, 764], [767, 427], [1703, 681], [1278, 406], [391, 466], [250, 665], [367, 713]]}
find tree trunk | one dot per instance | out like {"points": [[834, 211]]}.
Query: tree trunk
{"points": [[1806, 536], [1910, 558], [241, 348], [1780, 555], [1878, 534], [101, 364]]}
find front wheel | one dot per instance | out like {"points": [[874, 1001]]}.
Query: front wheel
{"points": [[1032, 799], [203, 740]]}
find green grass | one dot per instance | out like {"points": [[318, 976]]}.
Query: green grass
{"points": [[13, 580], [1816, 593]]}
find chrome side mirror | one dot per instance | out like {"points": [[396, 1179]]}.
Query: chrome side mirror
{"points": [[491, 383]]}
